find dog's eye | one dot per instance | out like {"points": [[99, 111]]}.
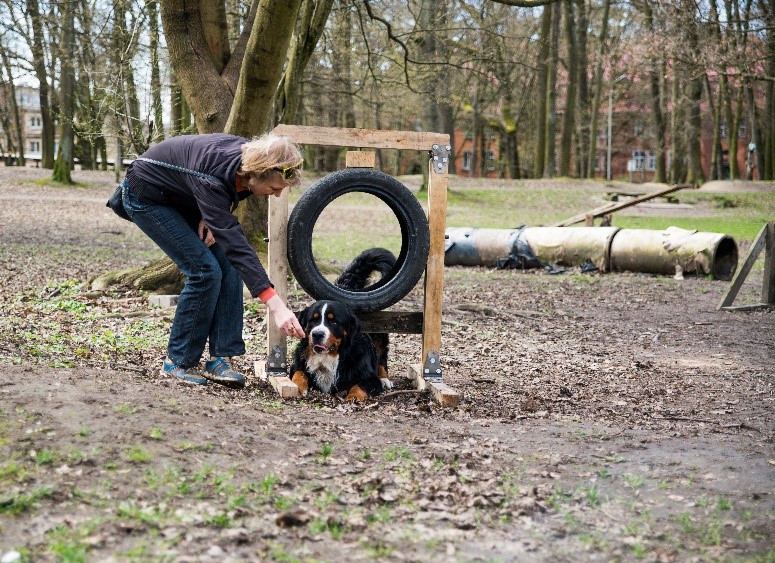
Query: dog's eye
{"points": [[330, 316], [316, 315]]}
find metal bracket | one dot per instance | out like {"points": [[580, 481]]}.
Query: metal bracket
{"points": [[440, 157], [275, 363], [431, 371]]}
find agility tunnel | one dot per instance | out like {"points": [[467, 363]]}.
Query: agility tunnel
{"points": [[602, 248]]}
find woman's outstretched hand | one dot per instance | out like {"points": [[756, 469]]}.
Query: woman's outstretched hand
{"points": [[284, 318]]}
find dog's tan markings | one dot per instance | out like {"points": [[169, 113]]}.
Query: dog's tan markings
{"points": [[382, 372], [301, 381], [334, 343], [356, 395]]}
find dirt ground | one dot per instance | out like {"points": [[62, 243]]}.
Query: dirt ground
{"points": [[604, 417]]}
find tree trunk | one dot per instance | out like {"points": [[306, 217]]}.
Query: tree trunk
{"points": [[542, 72], [569, 116], [597, 100], [64, 161], [157, 129], [14, 110], [551, 113], [582, 105], [657, 116]]}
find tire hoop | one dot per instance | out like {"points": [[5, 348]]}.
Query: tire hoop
{"points": [[415, 238]]}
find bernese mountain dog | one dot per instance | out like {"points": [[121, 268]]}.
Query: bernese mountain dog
{"points": [[335, 356]]}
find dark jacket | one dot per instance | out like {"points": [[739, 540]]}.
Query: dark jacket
{"points": [[196, 198]]}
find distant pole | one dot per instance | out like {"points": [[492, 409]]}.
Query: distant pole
{"points": [[608, 137]]}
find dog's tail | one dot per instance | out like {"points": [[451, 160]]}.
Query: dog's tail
{"points": [[356, 275]]}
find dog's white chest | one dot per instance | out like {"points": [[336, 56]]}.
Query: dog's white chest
{"points": [[324, 367]]}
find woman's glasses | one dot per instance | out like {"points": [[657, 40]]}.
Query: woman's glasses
{"points": [[288, 171]]}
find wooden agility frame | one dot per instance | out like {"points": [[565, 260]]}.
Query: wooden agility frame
{"points": [[765, 240], [426, 374]]}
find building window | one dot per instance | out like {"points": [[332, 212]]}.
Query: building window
{"points": [[34, 146], [638, 129], [467, 157], [638, 158], [490, 160], [35, 121], [651, 161], [741, 129], [722, 130]]}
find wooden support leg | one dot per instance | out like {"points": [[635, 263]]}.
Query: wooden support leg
{"points": [[768, 286], [276, 343]]}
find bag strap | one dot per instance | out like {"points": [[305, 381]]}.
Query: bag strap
{"points": [[180, 169]]}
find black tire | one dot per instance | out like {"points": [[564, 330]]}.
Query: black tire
{"points": [[415, 238]]}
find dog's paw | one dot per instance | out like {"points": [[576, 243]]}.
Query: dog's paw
{"points": [[356, 395], [386, 383], [301, 381]]}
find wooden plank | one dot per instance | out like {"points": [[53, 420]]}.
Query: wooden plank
{"points": [[756, 307], [768, 285], [286, 388], [278, 264], [361, 138], [434, 269], [360, 159], [612, 207], [441, 392], [396, 322], [737, 281]]}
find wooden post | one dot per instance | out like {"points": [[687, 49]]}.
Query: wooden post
{"points": [[768, 285], [278, 272]]}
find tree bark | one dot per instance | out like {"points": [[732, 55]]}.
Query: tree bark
{"points": [[569, 115], [64, 162], [41, 73], [542, 72], [598, 96]]}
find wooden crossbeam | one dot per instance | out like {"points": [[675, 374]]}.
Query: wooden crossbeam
{"points": [[618, 206], [362, 138], [765, 240]]}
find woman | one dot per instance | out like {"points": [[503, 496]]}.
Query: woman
{"points": [[181, 193]]}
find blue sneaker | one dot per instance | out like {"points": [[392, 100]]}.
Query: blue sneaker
{"points": [[186, 375], [219, 370]]}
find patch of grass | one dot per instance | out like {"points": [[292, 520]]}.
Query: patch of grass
{"points": [[125, 409], [723, 504], [23, 502], [397, 453], [335, 528], [381, 515], [149, 515], [633, 481], [559, 497], [13, 472], [685, 522], [137, 454], [325, 453], [156, 433], [284, 503], [85, 432], [44, 457], [220, 521], [365, 454]]}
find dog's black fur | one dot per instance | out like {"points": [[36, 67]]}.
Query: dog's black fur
{"points": [[335, 356]]}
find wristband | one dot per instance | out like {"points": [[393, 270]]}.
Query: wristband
{"points": [[267, 294]]}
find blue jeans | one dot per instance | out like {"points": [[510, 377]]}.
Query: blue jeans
{"points": [[210, 305]]}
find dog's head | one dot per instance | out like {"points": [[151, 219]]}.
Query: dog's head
{"points": [[328, 326]]}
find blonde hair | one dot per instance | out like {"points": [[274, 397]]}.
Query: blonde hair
{"points": [[269, 154]]}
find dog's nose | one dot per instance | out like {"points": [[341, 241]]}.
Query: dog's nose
{"points": [[317, 333]]}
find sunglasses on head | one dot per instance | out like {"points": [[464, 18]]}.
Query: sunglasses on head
{"points": [[287, 172]]}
